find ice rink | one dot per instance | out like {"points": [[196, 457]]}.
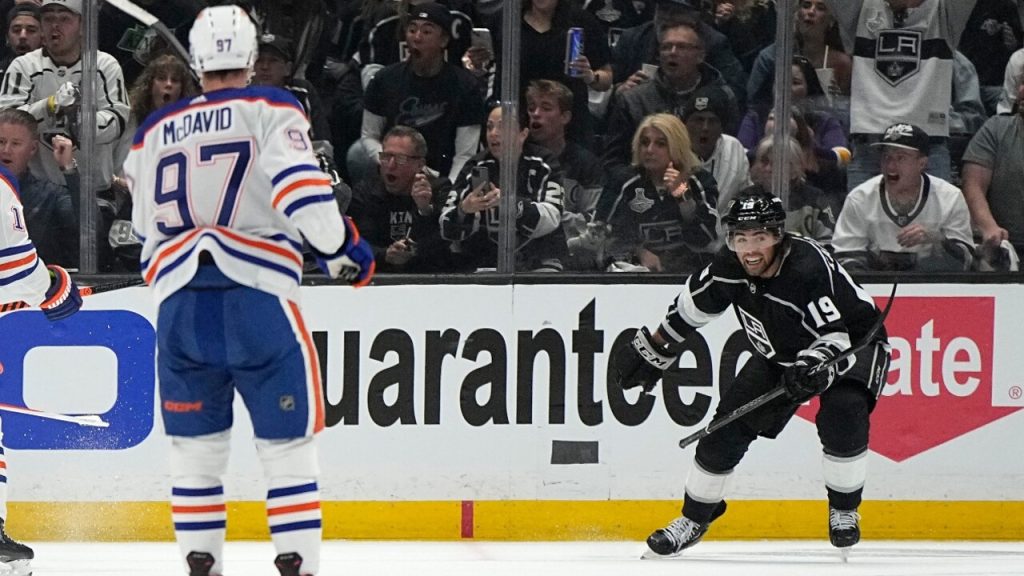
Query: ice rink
{"points": [[475, 558]]}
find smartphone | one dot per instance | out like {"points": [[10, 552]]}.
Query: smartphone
{"points": [[480, 175], [481, 38]]}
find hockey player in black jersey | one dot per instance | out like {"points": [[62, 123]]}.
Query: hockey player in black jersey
{"points": [[799, 309]]}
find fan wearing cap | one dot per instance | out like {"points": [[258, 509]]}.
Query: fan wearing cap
{"points": [[441, 100], [24, 32], [902, 72], [706, 115], [904, 219], [45, 83]]}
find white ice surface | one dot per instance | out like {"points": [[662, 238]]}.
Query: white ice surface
{"points": [[471, 558]]}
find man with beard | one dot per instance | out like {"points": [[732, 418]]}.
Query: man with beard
{"points": [[441, 100], [397, 210], [800, 310]]}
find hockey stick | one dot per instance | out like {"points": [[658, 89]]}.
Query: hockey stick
{"points": [[779, 391], [147, 19], [86, 291], [82, 420]]}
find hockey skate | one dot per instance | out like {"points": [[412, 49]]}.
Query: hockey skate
{"points": [[681, 534], [14, 555], [843, 529], [289, 564], [200, 563]]}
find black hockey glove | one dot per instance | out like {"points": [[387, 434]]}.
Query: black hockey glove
{"points": [[806, 378], [641, 362]]}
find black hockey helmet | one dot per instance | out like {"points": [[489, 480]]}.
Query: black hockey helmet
{"points": [[755, 208]]}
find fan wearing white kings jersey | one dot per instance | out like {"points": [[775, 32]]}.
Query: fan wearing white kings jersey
{"points": [[902, 72], [800, 310], [46, 84], [225, 190]]}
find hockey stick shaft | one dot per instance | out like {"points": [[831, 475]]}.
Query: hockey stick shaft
{"points": [[86, 291], [82, 420], [767, 397]]}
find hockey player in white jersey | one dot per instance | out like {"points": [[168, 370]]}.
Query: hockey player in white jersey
{"points": [[24, 277], [225, 191]]}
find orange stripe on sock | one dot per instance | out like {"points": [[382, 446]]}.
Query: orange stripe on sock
{"points": [[295, 508]]}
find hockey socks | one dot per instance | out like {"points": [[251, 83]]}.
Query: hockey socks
{"points": [[200, 519], [294, 517]]}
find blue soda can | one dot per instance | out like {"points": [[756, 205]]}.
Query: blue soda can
{"points": [[573, 49]]}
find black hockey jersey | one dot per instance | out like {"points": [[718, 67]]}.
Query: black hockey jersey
{"points": [[811, 302]]}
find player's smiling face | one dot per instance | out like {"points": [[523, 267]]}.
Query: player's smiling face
{"points": [[756, 251]]}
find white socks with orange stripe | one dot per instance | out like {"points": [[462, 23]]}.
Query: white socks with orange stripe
{"points": [[291, 468], [197, 499], [200, 517], [293, 514]]}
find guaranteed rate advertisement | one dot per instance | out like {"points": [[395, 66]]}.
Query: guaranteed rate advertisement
{"points": [[459, 393]]}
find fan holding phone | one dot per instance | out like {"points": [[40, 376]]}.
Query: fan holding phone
{"points": [[471, 216]]}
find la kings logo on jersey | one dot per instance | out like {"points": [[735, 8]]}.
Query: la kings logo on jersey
{"points": [[756, 333], [897, 55]]}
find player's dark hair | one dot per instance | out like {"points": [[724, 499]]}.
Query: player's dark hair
{"points": [[20, 118]]}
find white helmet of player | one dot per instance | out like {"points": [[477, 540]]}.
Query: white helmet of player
{"points": [[222, 38]]}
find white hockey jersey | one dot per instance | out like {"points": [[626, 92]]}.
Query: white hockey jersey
{"points": [[232, 173], [33, 77], [902, 71], [23, 276], [869, 223]]}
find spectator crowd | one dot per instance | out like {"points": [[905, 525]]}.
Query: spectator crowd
{"points": [[906, 149]]}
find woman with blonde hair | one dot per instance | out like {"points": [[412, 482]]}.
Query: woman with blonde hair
{"points": [[662, 208]]}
